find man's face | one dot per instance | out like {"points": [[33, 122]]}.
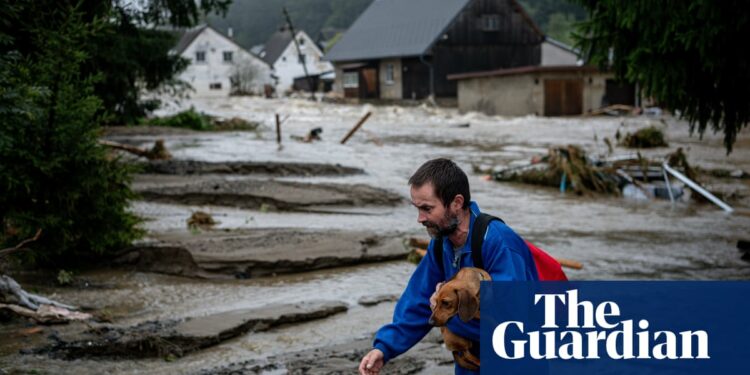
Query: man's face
{"points": [[438, 219]]}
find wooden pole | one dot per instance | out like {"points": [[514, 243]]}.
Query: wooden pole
{"points": [[278, 129], [299, 53], [567, 263], [356, 127]]}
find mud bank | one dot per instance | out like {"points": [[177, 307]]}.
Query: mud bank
{"points": [[427, 357], [250, 254], [178, 338], [191, 167], [263, 194]]}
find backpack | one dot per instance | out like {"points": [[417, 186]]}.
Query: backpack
{"points": [[547, 267]]}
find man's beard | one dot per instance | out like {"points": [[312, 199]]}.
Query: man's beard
{"points": [[435, 230]]}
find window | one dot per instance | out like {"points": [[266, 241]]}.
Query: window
{"points": [[227, 56], [351, 80], [200, 56], [490, 22], [302, 41], [302, 58], [214, 86], [389, 74]]}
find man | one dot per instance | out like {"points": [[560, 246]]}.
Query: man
{"points": [[440, 192]]}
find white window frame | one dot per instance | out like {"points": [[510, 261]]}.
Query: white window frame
{"points": [[215, 86], [389, 77], [350, 80]]}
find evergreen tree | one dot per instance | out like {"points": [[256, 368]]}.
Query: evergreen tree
{"points": [[63, 67], [687, 55], [53, 174]]}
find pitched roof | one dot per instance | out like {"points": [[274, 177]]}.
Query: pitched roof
{"points": [[187, 38], [189, 35], [276, 44], [390, 28]]}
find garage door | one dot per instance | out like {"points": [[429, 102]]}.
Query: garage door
{"points": [[563, 97]]}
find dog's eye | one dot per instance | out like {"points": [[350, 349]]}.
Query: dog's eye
{"points": [[445, 303]]}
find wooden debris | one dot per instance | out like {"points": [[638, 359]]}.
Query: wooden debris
{"points": [[615, 109], [200, 219], [570, 162], [158, 152], [567, 263], [649, 137], [38, 308], [356, 127], [278, 129]]}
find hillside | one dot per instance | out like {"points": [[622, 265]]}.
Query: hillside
{"points": [[253, 21]]}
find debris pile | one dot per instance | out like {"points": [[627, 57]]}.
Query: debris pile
{"points": [[200, 220], [567, 167], [649, 137], [632, 176]]}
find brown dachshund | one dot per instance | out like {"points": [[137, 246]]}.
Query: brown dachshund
{"points": [[460, 295]]}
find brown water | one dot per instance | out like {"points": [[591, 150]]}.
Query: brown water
{"points": [[613, 237]]}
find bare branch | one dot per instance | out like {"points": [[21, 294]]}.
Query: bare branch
{"points": [[20, 246]]}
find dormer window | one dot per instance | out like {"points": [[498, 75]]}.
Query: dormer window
{"points": [[302, 41]]}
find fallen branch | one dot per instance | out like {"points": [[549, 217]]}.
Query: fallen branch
{"points": [[21, 245], [47, 314], [158, 152], [10, 288]]}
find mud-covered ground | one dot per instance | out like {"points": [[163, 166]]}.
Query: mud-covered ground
{"points": [[324, 221]]}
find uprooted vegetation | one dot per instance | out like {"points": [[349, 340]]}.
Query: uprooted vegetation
{"points": [[569, 168], [649, 137], [191, 119]]}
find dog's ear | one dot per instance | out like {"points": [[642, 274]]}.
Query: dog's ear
{"points": [[468, 305]]}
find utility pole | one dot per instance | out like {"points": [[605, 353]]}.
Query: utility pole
{"points": [[299, 53]]}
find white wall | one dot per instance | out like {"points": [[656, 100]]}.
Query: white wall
{"points": [[555, 55], [394, 89], [214, 69], [287, 66]]}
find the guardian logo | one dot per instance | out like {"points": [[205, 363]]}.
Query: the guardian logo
{"points": [[600, 326]]}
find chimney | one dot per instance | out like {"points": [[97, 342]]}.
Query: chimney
{"points": [[230, 33]]}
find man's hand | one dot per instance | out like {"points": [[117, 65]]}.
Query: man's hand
{"points": [[433, 298], [371, 363]]}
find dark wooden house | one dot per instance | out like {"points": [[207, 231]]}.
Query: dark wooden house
{"points": [[405, 49]]}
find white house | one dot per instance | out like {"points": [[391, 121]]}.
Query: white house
{"points": [[556, 53], [281, 53], [219, 66]]}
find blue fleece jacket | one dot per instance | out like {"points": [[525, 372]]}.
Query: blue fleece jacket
{"points": [[506, 257]]}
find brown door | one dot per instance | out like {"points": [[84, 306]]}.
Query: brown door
{"points": [[563, 97], [369, 86]]}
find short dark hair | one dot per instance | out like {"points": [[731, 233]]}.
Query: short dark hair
{"points": [[447, 179]]}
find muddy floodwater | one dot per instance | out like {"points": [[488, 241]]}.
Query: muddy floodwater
{"points": [[350, 212]]}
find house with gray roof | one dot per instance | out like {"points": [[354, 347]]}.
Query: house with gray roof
{"points": [[405, 49]]}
